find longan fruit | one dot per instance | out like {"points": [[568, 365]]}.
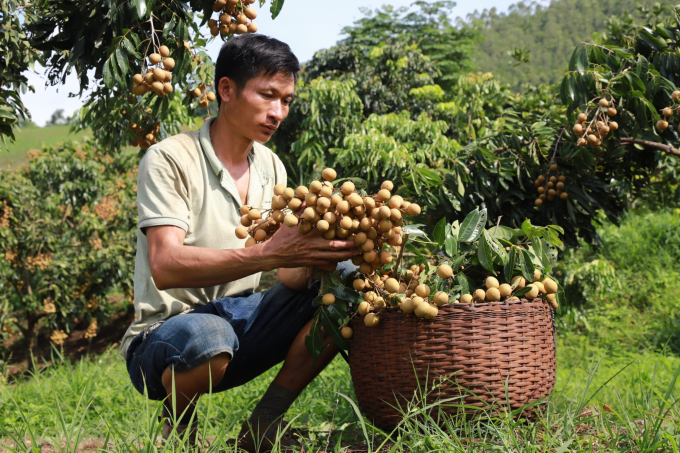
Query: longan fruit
{"points": [[252, 27], [383, 195], [304, 227], [421, 310], [564, 195], [592, 140], [537, 274], [560, 185], [346, 223], [533, 293], [367, 246], [326, 192], [364, 308], [444, 271], [611, 111], [549, 285], [157, 87], [360, 238], [154, 58], [279, 188], [315, 187], [346, 332], [169, 64], [241, 232], [330, 235], [278, 216], [295, 204], [407, 306], [541, 289], [387, 185], [396, 201], [667, 111], [384, 212], [385, 225], [662, 125], [422, 290], [479, 294], [355, 200], [385, 256], [440, 298], [328, 299], [343, 207], [582, 117], [260, 235], [553, 167], [138, 78], [254, 214], [278, 202], [603, 103], [301, 191], [250, 13], [395, 215], [578, 129], [675, 95], [250, 242], [322, 226], [550, 297], [541, 190], [518, 282], [493, 295], [330, 217], [613, 125], [505, 290], [347, 187], [491, 282], [369, 203], [196, 92], [538, 202], [413, 209], [311, 199], [359, 284], [391, 285], [551, 193], [417, 300], [466, 299], [323, 203], [371, 320], [370, 256]]}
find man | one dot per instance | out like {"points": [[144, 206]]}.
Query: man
{"points": [[190, 263]]}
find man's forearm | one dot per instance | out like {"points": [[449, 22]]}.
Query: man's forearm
{"points": [[181, 266]]}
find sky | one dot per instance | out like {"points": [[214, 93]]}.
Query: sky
{"points": [[306, 25]]}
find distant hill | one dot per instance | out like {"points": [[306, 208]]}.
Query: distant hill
{"points": [[550, 33]]}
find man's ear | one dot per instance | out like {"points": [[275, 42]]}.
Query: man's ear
{"points": [[226, 89]]}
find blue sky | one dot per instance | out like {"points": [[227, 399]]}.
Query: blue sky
{"points": [[306, 25]]}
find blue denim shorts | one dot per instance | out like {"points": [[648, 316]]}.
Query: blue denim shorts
{"points": [[257, 330]]}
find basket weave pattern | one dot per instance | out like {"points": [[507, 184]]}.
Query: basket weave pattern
{"points": [[477, 346]]}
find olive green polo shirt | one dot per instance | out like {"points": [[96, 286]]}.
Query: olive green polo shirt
{"points": [[181, 182]]}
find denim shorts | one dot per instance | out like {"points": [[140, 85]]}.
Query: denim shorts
{"points": [[257, 330]]}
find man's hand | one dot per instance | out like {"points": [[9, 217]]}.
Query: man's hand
{"points": [[290, 249]]}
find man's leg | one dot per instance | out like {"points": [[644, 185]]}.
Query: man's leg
{"points": [[189, 385]]}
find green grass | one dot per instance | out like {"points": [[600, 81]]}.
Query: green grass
{"points": [[616, 347], [33, 137]]}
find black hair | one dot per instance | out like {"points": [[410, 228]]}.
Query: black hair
{"points": [[247, 56]]}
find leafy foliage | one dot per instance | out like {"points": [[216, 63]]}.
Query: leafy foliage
{"points": [[67, 224]]}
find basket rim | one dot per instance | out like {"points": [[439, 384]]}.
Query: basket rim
{"points": [[476, 307]]}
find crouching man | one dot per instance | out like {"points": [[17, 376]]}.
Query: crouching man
{"points": [[199, 324]]}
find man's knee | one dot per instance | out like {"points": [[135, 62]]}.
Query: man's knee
{"points": [[209, 373]]}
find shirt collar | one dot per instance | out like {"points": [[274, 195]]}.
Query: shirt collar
{"points": [[216, 164]]}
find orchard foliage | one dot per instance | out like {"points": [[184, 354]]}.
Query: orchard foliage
{"points": [[67, 235], [477, 143]]}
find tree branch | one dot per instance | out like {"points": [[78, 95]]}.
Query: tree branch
{"points": [[652, 145]]}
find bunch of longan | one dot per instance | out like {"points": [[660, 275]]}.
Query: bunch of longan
{"points": [[603, 124], [205, 98], [668, 112], [370, 221], [157, 79], [233, 16], [550, 186], [496, 291], [146, 131]]}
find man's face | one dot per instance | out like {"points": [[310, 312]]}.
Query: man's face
{"points": [[258, 109]]}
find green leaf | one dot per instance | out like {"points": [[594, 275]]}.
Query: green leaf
{"points": [[528, 228], [451, 245], [108, 77], [434, 177], [439, 233], [463, 282], [497, 249], [579, 59], [510, 265], [140, 7], [526, 265], [276, 8], [121, 59], [334, 331], [472, 226], [485, 254]]}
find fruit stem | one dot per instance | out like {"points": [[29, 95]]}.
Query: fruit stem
{"points": [[400, 256]]}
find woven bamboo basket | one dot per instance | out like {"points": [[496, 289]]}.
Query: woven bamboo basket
{"points": [[480, 349]]}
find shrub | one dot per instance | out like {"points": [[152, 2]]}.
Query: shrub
{"points": [[67, 240]]}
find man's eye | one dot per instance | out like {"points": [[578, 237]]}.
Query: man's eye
{"points": [[267, 95]]}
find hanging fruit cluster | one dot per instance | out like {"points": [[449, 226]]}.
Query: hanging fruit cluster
{"points": [[158, 77], [204, 97], [592, 130], [668, 112], [370, 221], [233, 16], [550, 186], [139, 118]]}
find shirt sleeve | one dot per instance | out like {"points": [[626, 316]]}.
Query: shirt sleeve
{"points": [[162, 192]]}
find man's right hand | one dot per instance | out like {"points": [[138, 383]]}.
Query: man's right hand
{"points": [[289, 248]]}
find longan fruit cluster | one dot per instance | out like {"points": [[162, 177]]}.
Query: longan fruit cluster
{"points": [[550, 186], [602, 123], [406, 291], [496, 291], [204, 98], [370, 221], [157, 79], [233, 16], [668, 112]]}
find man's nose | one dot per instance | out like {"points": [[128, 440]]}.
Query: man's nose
{"points": [[277, 111]]}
